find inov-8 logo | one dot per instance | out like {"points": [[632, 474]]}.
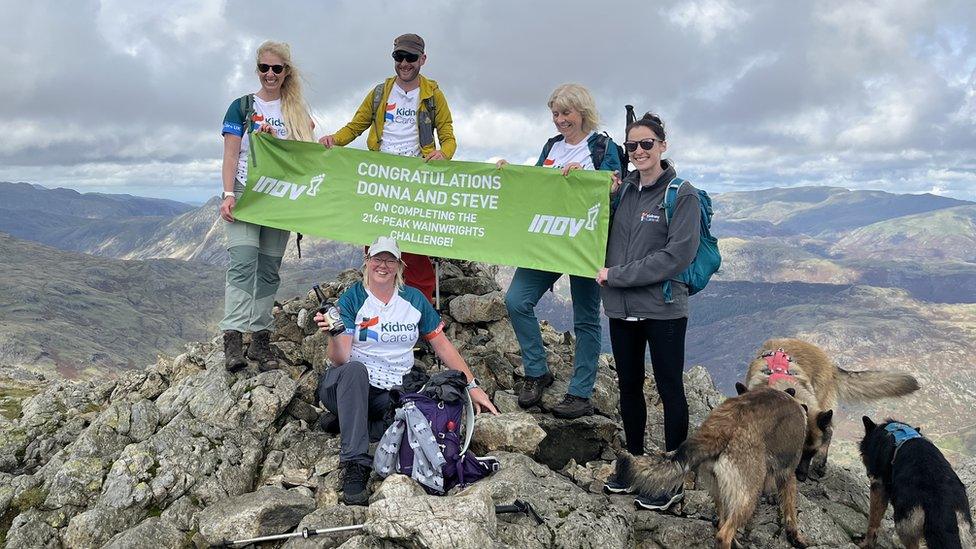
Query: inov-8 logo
{"points": [[286, 189], [560, 225]]}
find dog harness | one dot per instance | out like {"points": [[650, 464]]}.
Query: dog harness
{"points": [[778, 366], [902, 433]]}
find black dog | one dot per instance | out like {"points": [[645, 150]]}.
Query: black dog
{"points": [[929, 499]]}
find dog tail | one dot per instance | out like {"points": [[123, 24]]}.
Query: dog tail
{"points": [[945, 527], [663, 473], [870, 385]]}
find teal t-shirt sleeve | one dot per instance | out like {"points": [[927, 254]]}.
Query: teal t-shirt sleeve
{"points": [[430, 322], [233, 121], [349, 304]]}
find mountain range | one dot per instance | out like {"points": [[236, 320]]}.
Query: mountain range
{"points": [[879, 280]]}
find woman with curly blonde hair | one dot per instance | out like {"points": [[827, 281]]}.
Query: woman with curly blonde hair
{"points": [[279, 109]]}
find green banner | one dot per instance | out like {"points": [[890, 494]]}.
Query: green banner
{"points": [[517, 215]]}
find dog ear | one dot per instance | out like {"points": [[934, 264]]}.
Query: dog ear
{"points": [[868, 425], [791, 391], [823, 419], [740, 388]]}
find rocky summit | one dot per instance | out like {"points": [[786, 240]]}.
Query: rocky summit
{"points": [[184, 453]]}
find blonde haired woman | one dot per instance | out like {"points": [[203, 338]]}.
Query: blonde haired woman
{"points": [[383, 319], [577, 146], [255, 251]]}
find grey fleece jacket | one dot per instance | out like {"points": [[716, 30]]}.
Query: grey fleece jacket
{"points": [[644, 250]]}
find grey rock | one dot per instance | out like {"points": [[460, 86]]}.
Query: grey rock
{"points": [[149, 534], [329, 517], [267, 511], [479, 308], [397, 486], [468, 285], [510, 432], [434, 522], [582, 439]]}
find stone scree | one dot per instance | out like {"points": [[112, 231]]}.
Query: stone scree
{"points": [[184, 453]]}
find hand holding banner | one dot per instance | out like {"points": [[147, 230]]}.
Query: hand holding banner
{"points": [[517, 215]]}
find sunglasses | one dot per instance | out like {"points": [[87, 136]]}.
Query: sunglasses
{"points": [[646, 144], [401, 56], [264, 67]]}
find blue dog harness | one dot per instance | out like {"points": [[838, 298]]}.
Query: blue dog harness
{"points": [[901, 433]]}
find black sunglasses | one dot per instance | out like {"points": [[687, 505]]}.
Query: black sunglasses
{"points": [[399, 56], [264, 67], [646, 144]]}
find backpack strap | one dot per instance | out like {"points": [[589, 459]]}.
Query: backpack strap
{"points": [[548, 147], [599, 151], [377, 97], [670, 199], [246, 105]]}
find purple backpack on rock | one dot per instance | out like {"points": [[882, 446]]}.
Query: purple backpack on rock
{"points": [[424, 441]]}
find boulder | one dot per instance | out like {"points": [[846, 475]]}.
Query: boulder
{"points": [[508, 432], [479, 308], [267, 511], [432, 521]]}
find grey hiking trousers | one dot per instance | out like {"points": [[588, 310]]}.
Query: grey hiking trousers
{"points": [[345, 390], [252, 276]]}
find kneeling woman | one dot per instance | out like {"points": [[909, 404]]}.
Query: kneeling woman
{"points": [[645, 249], [383, 320]]}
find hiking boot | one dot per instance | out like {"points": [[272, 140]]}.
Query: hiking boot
{"points": [[614, 486], [660, 501], [234, 351], [354, 491], [532, 389], [260, 351], [573, 407]]}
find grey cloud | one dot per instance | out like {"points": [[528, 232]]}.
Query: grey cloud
{"points": [[128, 84]]}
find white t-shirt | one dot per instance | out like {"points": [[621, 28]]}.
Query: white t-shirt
{"points": [[384, 334], [400, 135], [562, 154], [265, 112]]}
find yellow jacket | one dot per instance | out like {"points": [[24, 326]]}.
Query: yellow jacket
{"points": [[364, 118]]}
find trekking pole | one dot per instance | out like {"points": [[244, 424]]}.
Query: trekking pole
{"points": [[437, 285], [305, 533], [519, 506]]}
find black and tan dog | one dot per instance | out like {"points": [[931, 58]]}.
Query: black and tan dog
{"points": [[745, 443], [819, 384], [929, 500]]}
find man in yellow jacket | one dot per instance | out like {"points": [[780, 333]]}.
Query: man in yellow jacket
{"points": [[402, 115]]}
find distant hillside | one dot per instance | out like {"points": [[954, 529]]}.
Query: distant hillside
{"points": [[26, 196], [78, 314], [948, 234], [815, 210]]}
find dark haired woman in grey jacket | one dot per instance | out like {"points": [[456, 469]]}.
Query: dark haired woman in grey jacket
{"points": [[645, 249]]}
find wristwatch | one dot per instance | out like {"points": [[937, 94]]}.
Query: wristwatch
{"points": [[229, 194], [473, 384]]}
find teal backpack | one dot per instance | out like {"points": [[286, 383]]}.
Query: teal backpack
{"points": [[708, 259]]}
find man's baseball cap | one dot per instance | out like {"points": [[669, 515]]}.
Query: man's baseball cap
{"points": [[410, 43], [384, 244]]}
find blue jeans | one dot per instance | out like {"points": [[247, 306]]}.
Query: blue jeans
{"points": [[528, 286]]}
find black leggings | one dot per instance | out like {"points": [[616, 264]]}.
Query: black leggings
{"points": [[629, 340]]}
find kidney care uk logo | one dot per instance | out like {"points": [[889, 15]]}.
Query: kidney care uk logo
{"points": [[400, 115], [364, 331]]}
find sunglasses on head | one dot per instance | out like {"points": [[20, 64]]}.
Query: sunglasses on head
{"points": [[399, 56], [264, 67], [646, 144]]}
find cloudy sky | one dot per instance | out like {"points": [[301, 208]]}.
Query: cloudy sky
{"points": [[128, 96]]}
